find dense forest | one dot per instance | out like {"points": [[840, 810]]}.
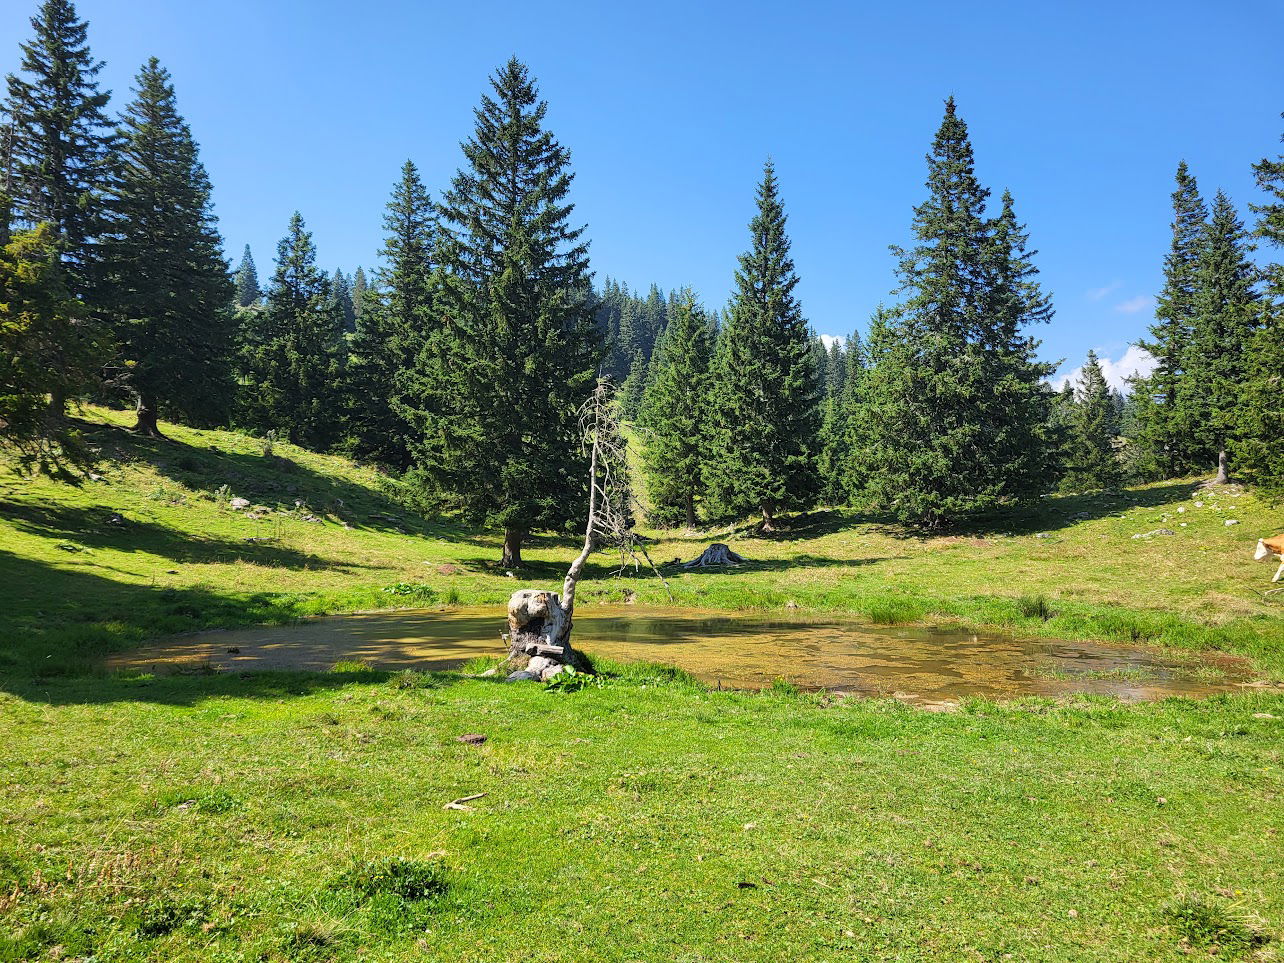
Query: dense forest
{"points": [[457, 364]]}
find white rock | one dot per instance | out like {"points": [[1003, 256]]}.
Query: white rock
{"points": [[554, 670], [523, 677], [1230, 521], [1181, 509], [240, 504], [539, 663], [1199, 504]]}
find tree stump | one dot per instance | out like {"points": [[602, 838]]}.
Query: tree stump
{"points": [[539, 636], [715, 554]]}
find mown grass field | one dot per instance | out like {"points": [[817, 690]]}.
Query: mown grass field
{"points": [[290, 816]]}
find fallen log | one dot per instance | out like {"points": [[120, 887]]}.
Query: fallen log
{"points": [[716, 554]]}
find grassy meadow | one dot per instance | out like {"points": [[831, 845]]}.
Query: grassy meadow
{"points": [[296, 816]]}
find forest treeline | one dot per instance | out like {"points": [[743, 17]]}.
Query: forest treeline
{"points": [[459, 362]]}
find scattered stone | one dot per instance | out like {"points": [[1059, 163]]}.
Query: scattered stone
{"points": [[1199, 504], [509, 575], [1157, 531], [96, 478], [1184, 524], [471, 738], [1043, 535], [539, 663], [171, 571], [115, 519], [312, 519], [240, 504], [523, 676], [791, 604], [1181, 509], [1230, 521], [1264, 715], [552, 671]]}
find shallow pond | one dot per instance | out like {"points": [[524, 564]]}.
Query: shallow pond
{"points": [[923, 664]]}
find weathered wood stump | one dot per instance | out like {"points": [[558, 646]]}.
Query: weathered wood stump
{"points": [[539, 637], [715, 554]]}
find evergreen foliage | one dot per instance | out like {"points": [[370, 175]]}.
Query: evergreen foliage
{"points": [[341, 291], [169, 287], [1161, 448], [360, 291], [1092, 421], [955, 416], [393, 330], [841, 469], [521, 351], [629, 399], [62, 139], [247, 281], [1262, 404], [673, 415], [291, 350], [764, 418], [38, 320], [1227, 312]]}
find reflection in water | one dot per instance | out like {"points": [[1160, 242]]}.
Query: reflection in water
{"points": [[927, 664]]}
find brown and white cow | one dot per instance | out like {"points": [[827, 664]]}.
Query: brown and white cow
{"points": [[1266, 547]]}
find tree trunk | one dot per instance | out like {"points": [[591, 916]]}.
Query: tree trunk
{"points": [[768, 522], [1223, 473], [57, 405], [715, 554], [146, 412], [512, 556]]}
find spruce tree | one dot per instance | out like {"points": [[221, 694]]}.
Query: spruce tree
{"points": [[36, 312], [62, 138], [341, 291], [630, 394], [521, 347], [1161, 448], [764, 417], [954, 416], [247, 281], [170, 291], [1092, 423], [61, 146], [291, 350], [1261, 422], [360, 291], [389, 372], [841, 468], [1227, 313], [673, 414]]}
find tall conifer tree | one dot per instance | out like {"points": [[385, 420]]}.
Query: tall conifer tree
{"points": [[1261, 424], [1227, 314], [291, 350], [673, 414], [764, 417], [522, 347], [170, 290], [1161, 448], [1092, 424], [388, 365], [954, 415], [247, 281], [60, 150], [360, 290]]}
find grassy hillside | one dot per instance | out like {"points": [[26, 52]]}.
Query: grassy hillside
{"points": [[154, 548], [295, 817]]}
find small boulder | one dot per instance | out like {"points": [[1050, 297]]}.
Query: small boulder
{"points": [[539, 663], [523, 676], [551, 671], [1230, 521], [240, 504]]}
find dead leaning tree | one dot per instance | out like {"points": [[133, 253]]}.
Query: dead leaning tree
{"points": [[539, 622]]}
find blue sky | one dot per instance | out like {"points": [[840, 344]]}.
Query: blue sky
{"points": [[669, 109]]}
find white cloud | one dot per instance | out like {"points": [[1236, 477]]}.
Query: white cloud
{"points": [[1096, 294], [1133, 305], [829, 340], [1134, 361]]}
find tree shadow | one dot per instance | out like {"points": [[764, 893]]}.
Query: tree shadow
{"points": [[274, 481], [87, 528], [752, 565], [58, 626]]}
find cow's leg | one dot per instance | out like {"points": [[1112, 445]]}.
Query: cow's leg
{"points": [[1279, 572]]}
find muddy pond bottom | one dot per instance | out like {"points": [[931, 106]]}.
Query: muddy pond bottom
{"points": [[922, 664]]}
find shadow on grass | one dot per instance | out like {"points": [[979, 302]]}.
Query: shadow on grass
{"points": [[82, 528], [274, 481]]}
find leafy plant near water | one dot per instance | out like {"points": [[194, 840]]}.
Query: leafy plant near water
{"points": [[568, 680]]}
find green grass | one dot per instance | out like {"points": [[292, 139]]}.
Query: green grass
{"points": [[292, 816], [298, 817], [154, 550]]}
